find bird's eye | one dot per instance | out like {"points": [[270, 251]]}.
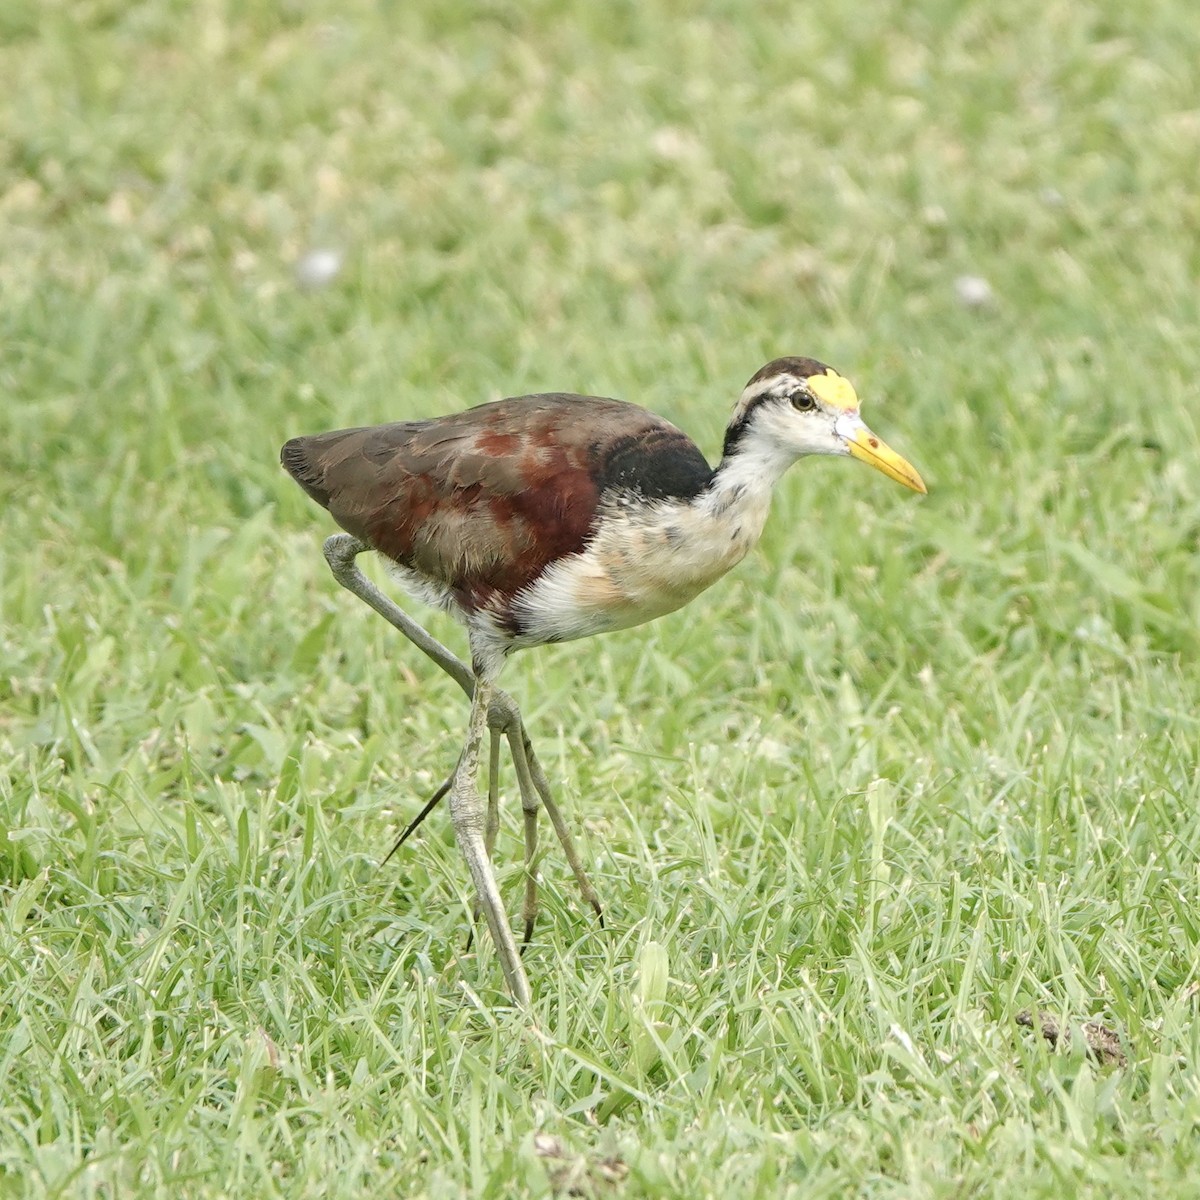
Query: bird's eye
{"points": [[803, 401]]}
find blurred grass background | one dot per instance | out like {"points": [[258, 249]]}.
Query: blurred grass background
{"points": [[920, 764]]}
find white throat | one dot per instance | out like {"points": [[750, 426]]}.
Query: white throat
{"points": [[746, 479]]}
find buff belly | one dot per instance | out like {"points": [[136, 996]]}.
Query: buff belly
{"points": [[638, 568]]}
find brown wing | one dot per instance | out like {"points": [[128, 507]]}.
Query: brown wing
{"points": [[483, 500]]}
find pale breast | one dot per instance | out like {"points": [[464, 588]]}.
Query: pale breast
{"points": [[645, 561]]}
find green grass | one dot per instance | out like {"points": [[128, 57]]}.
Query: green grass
{"points": [[917, 766]]}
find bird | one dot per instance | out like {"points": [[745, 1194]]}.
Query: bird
{"points": [[551, 517]]}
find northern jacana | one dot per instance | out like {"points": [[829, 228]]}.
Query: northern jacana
{"points": [[551, 517]]}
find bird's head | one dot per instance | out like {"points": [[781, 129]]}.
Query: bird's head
{"points": [[798, 406]]}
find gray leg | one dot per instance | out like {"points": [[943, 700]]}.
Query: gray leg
{"points": [[560, 827], [340, 552], [493, 819], [529, 807], [469, 815], [506, 714], [502, 716], [493, 811]]}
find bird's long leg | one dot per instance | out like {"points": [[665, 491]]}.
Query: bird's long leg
{"points": [[504, 716], [560, 827], [469, 815], [493, 809], [340, 553], [529, 807], [529, 771], [493, 817]]}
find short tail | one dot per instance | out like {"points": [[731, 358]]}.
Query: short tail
{"points": [[297, 459]]}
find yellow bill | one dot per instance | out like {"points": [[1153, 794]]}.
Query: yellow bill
{"points": [[875, 452]]}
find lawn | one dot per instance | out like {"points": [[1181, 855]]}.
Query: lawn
{"points": [[922, 771]]}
